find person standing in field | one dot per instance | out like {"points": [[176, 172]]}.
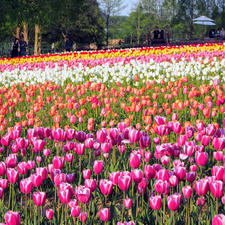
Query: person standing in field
{"points": [[15, 48], [68, 44], [23, 47]]}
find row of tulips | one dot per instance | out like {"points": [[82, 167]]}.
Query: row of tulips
{"points": [[95, 178], [201, 63]]}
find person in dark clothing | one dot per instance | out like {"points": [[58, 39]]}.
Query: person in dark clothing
{"points": [[23, 47], [156, 33], [15, 48], [68, 44]]}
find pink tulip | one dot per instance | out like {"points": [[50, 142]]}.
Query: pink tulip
{"points": [[98, 166], [219, 143], [11, 161], [149, 172], [105, 186], [135, 160], [136, 175], [49, 214], [69, 157], [75, 211], [106, 147], [46, 152], [218, 156], [190, 177], [1, 192], [187, 191], [155, 202], [104, 214], [162, 187], [201, 186], [65, 195], [217, 188], [86, 173], [127, 202], [124, 182], [36, 180], [218, 219], [218, 172], [173, 181], [113, 177], [83, 194], [83, 217], [173, 201], [2, 168], [12, 218], [39, 198], [58, 162], [144, 141], [3, 183], [26, 186], [201, 158], [163, 174], [59, 135], [12, 175], [73, 203], [91, 184], [101, 135], [201, 201], [80, 148]]}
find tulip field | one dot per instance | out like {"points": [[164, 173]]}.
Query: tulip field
{"points": [[121, 137]]}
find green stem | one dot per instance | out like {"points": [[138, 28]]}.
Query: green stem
{"points": [[123, 204]]}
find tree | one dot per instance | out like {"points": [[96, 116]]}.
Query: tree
{"points": [[110, 7]]}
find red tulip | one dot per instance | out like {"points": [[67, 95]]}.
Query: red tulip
{"points": [[104, 214], [173, 201], [12, 218], [155, 202], [65, 195], [39, 198]]}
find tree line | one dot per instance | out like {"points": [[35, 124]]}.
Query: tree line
{"points": [[92, 21]]}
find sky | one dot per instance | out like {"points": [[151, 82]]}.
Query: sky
{"points": [[129, 6]]}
